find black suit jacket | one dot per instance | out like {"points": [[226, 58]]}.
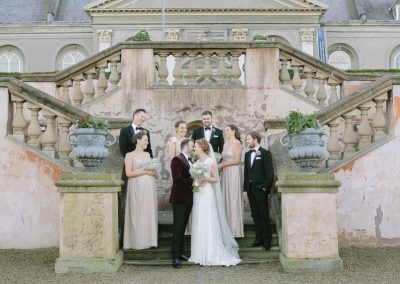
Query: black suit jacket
{"points": [[216, 139], [261, 173], [126, 143]]}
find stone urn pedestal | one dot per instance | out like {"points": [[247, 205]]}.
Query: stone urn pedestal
{"points": [[89, 223], [309, 223]]}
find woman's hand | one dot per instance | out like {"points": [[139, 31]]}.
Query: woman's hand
{"points": [[220, 166], [201, 182], [150, 173]]}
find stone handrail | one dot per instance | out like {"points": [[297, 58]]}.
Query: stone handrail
{"points": [[357, 122]]}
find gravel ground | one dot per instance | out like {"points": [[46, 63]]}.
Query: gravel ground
{"points": [[361, 265]]}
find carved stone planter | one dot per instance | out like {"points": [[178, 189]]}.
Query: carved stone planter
{"points": [[307, 147], [90, 146]]}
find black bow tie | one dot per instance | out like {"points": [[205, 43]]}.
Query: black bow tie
{"points": [[190, 160], [251, 151], [207, 128], [139, 128]]}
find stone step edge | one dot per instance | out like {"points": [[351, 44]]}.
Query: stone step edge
{"points": [[185, 263]]}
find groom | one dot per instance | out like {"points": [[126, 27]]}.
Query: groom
{"points": [[258, 178], [212, 134], [181, 199]]}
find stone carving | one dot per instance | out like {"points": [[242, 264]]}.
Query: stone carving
{"points": [[240, 34], [172, 34], [307, 34], [104, 35], [205, 36]]}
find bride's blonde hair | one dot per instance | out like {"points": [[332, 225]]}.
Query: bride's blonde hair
{"points": [[203, 144]]}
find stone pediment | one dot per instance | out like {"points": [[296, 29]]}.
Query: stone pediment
{"points": [[105, 6]]}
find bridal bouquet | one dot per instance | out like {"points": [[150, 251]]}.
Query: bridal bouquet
{"points": [[198, 171], [151, 165]]}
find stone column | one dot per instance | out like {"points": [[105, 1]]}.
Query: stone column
{"points": [[307, 36], [89, 223], [104, 39], [309, 223]]}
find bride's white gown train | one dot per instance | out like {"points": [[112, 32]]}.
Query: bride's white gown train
{"points": [[212, 242]]}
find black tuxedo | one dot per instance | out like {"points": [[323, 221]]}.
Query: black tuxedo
{"points": [[182, 200], [216, 138], [126, 145], [258, 179]]}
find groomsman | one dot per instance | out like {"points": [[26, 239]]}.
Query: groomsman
{"points": [[212, 134], [128, 144], [258, 179]]}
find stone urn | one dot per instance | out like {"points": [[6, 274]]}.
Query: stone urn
{"points": [[307, 147], [90, 146]]}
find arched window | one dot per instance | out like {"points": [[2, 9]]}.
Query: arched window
{"points": [[340, 59], [396, 63], [10, 60], [71, 57]]}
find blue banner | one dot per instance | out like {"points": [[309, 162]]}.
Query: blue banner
{"points": [[322, 45]]}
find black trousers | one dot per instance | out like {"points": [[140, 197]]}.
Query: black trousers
{"points": [[181, 213], [121, 208], [258, 200]]}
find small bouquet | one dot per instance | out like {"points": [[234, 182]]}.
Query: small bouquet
{"points": [[198, 171], [218, 158], [151, 165], [195, 158]]}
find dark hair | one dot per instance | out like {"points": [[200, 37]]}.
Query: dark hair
{"points": [[207, 112], [203, 144], [255, 135], [179, 122], [185, 142], [236, 129], [139, 136], [138, 110]]}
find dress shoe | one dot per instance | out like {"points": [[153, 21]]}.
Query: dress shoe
{"points": [[255, 244], [184, 257], [266, 247], [176, 263]]}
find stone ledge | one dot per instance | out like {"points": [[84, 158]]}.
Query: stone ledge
{"points": [[89, 265], [308, 183], [84, 189], [298, 265]]}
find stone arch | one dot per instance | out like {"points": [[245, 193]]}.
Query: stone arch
{"points": [[344, 51], [394, 58], [73, 51], [12, 59], [192, 126]]}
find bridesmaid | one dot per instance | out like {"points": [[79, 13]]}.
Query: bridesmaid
{"points": [[231, 180], [141, 216], [174, 143]]}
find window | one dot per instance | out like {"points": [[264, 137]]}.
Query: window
{"points": [[10, 62], [397, 61], [71, 57], [340, 59]]}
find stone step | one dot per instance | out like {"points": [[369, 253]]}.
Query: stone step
{"points": [[185, 263], [164, 253]]}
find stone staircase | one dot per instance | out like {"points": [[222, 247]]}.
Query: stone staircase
{"points": [[161, 256]]}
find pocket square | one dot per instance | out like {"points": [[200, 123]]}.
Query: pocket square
{"points": [[216, 136], [258, 158]]}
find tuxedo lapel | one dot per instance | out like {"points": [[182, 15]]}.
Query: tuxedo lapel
{"points": [[131, 131], [184, 160]]}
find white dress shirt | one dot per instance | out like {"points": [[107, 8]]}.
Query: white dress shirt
{"points": [[187, 158], [207, 133], [253, 155], [135, 130]]}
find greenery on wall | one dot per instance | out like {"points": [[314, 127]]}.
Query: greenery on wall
{"points": [[260, 37], [297, 122], [141, 36]]}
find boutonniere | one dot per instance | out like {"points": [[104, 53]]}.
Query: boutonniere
{"points": [[258, 153], [212, 129]]}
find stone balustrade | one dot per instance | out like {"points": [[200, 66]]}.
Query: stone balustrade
{"points": [[92, 81], [317, 85], [181, 67]]}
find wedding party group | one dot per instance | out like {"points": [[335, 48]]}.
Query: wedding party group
{"points": [[207, 193]]}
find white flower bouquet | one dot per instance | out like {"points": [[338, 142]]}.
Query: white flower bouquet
{"points": [[218, 158], [151, 165], [197, 171]]}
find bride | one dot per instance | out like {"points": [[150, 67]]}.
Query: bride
{"points": [[212, 241]]}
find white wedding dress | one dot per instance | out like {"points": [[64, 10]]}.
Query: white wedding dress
{"points": [[212, 242]]}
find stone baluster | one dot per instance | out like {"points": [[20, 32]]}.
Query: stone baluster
{"points": [[102, 83], [284, 75], [222, 71], [321, 95], [235, 72], [49, 137], [207, 72], [333, 146], [333, 98], [379, 121], [349, 136], [364, 130], [296, 80], [114, 76], [64, 148], [66, 85], [192, 71], [34, 130], [309, 88], [178, 72], [77, 96], [89, 88], [163, 71], [19, 122]]}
